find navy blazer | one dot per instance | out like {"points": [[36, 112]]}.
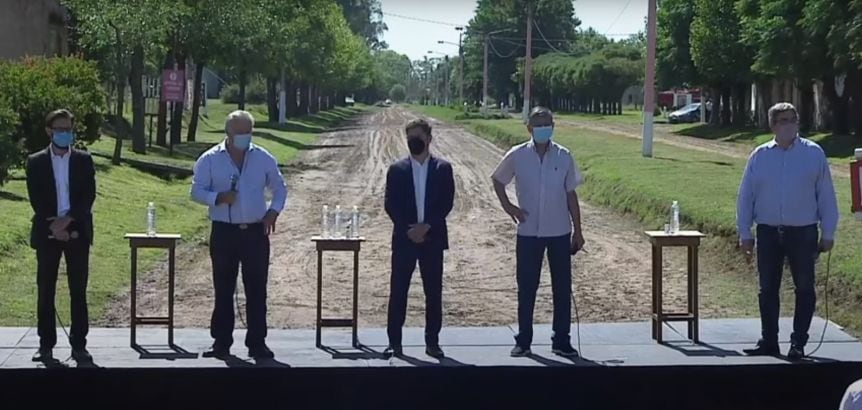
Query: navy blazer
{"points": [[400, 201]]}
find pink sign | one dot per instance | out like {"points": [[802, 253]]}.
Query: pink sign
{"points": [[173, 85]]}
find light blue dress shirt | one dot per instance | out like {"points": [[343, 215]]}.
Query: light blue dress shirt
{"points": [[791, 187], [214, 171]]}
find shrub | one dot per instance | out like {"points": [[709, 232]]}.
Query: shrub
{"points": [[10, 150], [255, 92], [35, 86]]}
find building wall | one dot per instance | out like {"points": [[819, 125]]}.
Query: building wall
{"points": [[32, 28]]}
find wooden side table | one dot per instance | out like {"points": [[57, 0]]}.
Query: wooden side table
{"points": [[159, 241], [691, 241], [337, 245]]}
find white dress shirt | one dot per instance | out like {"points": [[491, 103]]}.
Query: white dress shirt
{"points": [[213, 172], [420, 182], [542, 186], [60, 163]]}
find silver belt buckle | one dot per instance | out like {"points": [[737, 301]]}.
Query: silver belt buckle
{"points": [[243, 226]]}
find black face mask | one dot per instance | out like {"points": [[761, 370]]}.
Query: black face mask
{"points": [[416, 145]]}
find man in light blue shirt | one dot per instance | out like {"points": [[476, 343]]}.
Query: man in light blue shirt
{"points": [[787, 191], [231, 178]]}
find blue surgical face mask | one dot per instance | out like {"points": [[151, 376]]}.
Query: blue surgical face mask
{"points": [[242, 141], [62, 139], [542, 135]]}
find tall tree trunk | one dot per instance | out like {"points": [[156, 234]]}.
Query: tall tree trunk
{"points": [[715, 113], [725, 106], [121, 91], [739, 111], [764, 97], [314, 100], [272, 99], [243, 78], [853, 87], [292, 107], [196, 101], [162, 120], [177, 114], [304, 99], [139, 142], [806, 105]]}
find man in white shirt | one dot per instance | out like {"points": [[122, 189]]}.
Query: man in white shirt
{"points": [[420, 191], [61, 184], [230, 178], [548, 218]]}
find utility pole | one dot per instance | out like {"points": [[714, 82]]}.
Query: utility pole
{"points": [[528, 63], [461, 62], [649, 81], [485, 76]]}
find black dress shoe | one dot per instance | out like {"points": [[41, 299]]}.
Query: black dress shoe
{"points": [[435, 351], [519, 351], [217, 351], [260, 352], [81, 355], [763, 349], [43, 355], [565, 350], [393, 351], [796, 352]]}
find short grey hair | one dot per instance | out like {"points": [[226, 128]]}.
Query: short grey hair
{"points": [[235, 115], [779, 109], [540, 112]]}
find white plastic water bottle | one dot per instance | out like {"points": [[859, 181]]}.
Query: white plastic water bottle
{"points": [[354, 223], [324, 223], [337, 229], [674, 218], [151, 219]]}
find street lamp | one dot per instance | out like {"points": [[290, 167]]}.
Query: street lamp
{"points": [[460, 61], [485, 67]]}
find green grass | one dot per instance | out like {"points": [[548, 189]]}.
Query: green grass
{"points": [[629, 116], [122, 196], [618, 176], [839, 148]]}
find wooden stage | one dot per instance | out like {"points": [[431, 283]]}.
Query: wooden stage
{"points": [[619, 360]]}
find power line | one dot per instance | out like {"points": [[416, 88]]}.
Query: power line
{"points": [[442, 23], [618, 17], [499, 54], [546, 40]]}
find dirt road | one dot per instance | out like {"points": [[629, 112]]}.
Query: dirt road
{"points": [[348, 167]]}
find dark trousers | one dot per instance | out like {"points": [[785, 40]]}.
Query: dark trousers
{"points": [[800, 246], [77, 254], [431, 267], [230, 246], [529, 253]]}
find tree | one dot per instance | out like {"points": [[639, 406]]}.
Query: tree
{"points": [[365, 18], [553, 20], [673, 47], [398, 93], [126, 29], [721, 58]]}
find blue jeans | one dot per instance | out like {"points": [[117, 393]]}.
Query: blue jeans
{"points": [[530, 253], [800, 246]]}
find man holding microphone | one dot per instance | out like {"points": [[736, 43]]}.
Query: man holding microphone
{"points": [[231, 179]]}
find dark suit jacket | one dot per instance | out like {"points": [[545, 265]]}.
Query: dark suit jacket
{"points": [[43, 194], [400, 201]]}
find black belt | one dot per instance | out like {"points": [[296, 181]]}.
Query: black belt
{"points": [[784, 228], [241, 227]]}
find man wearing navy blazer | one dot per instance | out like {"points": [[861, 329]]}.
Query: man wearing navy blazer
{"points": [[420, 191]]}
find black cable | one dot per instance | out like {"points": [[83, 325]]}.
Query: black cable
{"points": [[825, 304]]}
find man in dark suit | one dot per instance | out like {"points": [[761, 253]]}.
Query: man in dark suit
{"points": [[420, 191], [61, 185]]}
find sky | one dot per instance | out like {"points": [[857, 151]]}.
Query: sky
{"points": [[415, 38]]}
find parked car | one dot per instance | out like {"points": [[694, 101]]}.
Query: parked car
{"points": [[689, 113], [349, 101]]}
